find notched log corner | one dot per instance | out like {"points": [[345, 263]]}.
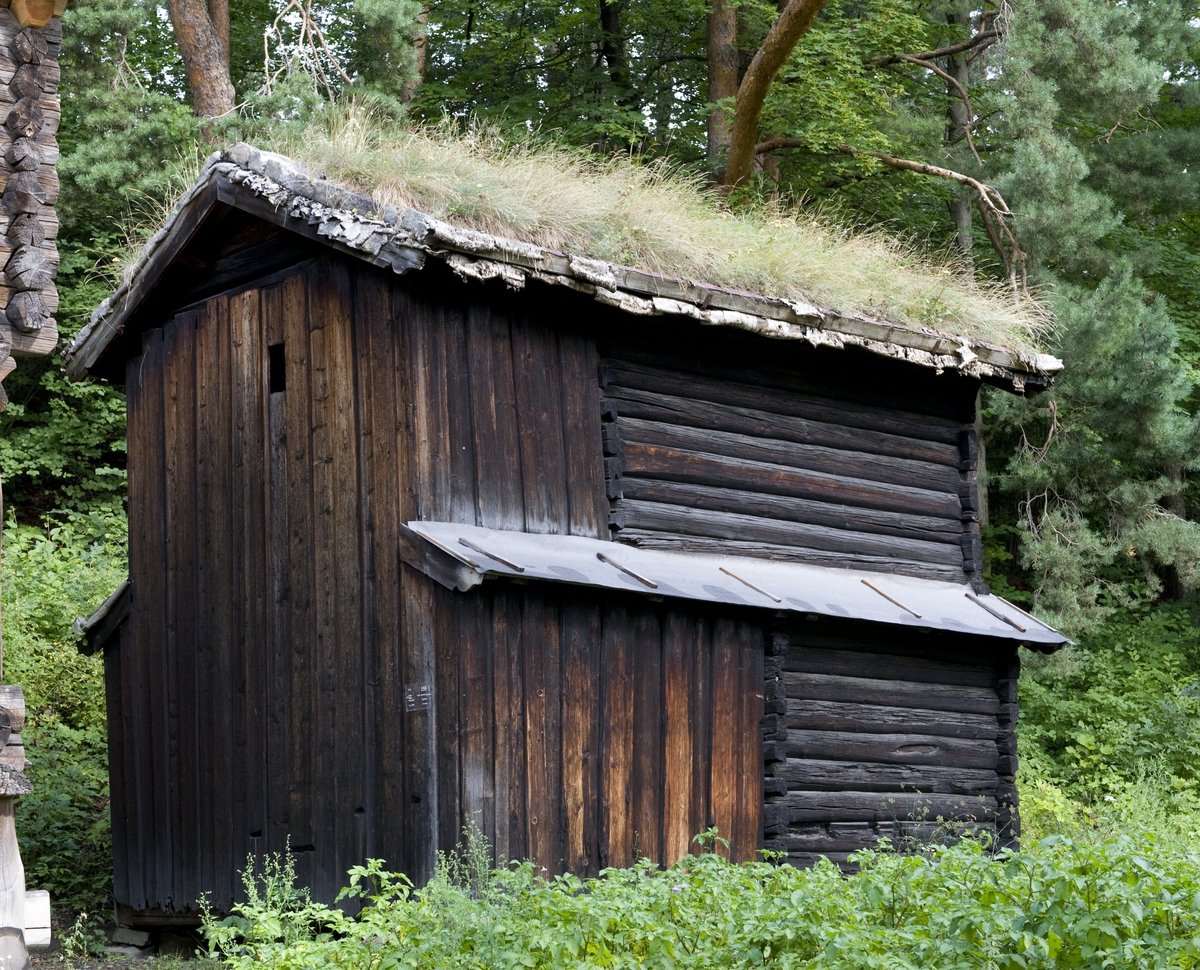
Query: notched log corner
{"points": [[13, 782]]}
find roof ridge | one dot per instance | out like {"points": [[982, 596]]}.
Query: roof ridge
{"points": [[403, 239]]}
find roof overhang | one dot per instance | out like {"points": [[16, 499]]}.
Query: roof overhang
{"points": [[462, 556], [94, 633], [277, 190]]}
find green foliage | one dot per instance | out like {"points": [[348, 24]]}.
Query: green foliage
{"points": [[1118, 710], [1094, 153], [84, 939], [1126, 901], [1090, 468], [524, 66], [50, 576], [365, 46]]}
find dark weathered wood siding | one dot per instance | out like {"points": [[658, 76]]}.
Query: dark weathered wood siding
{"points": [[279, 435], [806, 458], [583, 730], [903, 736], [258, 686]]}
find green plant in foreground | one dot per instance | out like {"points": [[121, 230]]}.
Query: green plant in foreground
{"points": [[1131, 901], [83, 939]]}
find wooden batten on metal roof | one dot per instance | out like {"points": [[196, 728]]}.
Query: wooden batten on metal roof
{"points": [[277, 190]]}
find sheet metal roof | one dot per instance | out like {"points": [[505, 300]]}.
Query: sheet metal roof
{"points": [[797, 587]]}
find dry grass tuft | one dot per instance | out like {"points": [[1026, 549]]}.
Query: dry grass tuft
{"points": [[654, 218]]}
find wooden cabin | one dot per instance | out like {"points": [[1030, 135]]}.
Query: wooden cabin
{"points": [[431, 528]]}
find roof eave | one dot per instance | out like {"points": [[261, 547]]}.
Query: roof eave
{"points": [[277, 190]]}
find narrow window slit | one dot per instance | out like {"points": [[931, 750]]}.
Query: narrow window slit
{"points": [[277, 368]]}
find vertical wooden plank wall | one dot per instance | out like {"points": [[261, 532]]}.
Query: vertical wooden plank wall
{"points": [[505, 412], [640, 726], [259, 685]]}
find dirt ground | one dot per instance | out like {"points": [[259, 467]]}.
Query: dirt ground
{"points": [[90, 947]]}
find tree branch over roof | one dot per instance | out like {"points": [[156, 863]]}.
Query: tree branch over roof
{"points": [[997, 216], [794, 22]]}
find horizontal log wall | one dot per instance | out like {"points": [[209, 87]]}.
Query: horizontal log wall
{"points": [[790, 462], [909, 737]]}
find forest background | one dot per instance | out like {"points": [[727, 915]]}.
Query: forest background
{"points": [[1082, 117]]}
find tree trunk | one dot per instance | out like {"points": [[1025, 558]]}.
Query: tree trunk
{"points": [[613, 48], [1173, 585], [420, 40], [795, 21], [722, 77], [205, 57], [218, 12], [961, 209]]}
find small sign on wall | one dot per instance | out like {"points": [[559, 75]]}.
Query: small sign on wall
{"points": [[418, 697]]}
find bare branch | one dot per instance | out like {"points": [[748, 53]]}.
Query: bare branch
{"points": [[984, 39], [958, 87], [777, 142], [997, 216], [307, 49]]}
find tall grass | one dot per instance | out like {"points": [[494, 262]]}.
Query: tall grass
{"points": [[651, 216]]}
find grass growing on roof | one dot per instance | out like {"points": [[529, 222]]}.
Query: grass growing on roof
{"points": [[653, 217]]}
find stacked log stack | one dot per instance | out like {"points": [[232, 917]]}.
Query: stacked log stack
{"points": [[30, 40]]}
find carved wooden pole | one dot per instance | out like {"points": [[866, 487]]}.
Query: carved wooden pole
{"points": [[30, 38], [13, 951]]}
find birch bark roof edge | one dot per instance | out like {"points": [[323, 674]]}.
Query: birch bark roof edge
{"points": [[402, 240]]}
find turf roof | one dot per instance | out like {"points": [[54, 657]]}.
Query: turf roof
{"points": [[492, 209]]}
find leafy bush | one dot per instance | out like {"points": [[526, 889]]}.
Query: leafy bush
{"points": [[51, 576], [1128, 901], [1122, 706]]}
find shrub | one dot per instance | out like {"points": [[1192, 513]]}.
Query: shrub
{"points": [[52, 575], [1124, 704], [1127, 901]]}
